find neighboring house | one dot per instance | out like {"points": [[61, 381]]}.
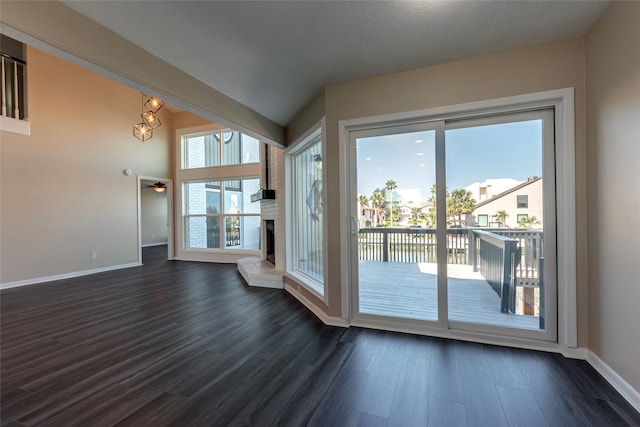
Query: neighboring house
{"points": [[370, 217], [522, 201], [488, 188], [411, 210]]}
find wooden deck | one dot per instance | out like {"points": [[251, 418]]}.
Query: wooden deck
{"points": [[409, 291]]}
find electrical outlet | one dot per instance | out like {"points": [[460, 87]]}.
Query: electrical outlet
{"points": [[94, 255]]}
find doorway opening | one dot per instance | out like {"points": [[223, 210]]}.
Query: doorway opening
{"points": [[155, 229]]}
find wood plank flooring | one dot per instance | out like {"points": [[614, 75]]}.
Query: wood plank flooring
{"points": [[189, 344]]}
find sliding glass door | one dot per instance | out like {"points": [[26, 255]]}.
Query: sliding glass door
{"points": [[396, 238], [453, 225]]}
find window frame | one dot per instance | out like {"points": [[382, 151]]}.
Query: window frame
{"points": [[315, 134], [211, 173], [524, 204], [222, 215], [217, 134], [562, 102]]}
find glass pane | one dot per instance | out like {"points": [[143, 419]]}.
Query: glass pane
{"points": [[201, 151], [308, 212], [202, 198], [494, 171], [237, 196], [205, 200], [250, 149], [230, 147], [202, 232], [249, 187], [242, 232], [396, 215]]}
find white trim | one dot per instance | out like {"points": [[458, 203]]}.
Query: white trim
{"points": [[66, 275], [620, 384], [566, 217], [312, 285], [562, 100], [148, 245], [317, 130], [9, 124], [211, 173], [345, 178], [320, 314], [419, 328]]}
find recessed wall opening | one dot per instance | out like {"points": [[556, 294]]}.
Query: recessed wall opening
{"points": [[270, 242]]}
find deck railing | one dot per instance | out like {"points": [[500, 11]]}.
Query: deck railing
{"points": [[496, 260], [415, 245]]}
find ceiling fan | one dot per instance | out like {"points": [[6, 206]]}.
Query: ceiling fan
{"points": [[158, 186]]}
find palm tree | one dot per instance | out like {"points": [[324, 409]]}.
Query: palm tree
{"points": [[501, 217], [377, 200], [431, 214], [528, 222], [363, 199], [460, 202], [390, 186], [415, 218]]}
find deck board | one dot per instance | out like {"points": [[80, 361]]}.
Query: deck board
{"points": [[410, 291]]}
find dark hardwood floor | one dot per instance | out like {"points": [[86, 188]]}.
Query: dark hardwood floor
{"points": [[189, 344]]}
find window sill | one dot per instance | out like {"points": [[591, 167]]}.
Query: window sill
{"points": [[314, 286], [9, 124]]}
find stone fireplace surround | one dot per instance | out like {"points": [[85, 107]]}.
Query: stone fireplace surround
{"points": [[257, 271]]}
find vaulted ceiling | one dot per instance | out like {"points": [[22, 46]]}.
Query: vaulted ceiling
{"points": [[274, 56]]}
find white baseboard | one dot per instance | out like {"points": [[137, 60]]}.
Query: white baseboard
{"points": [[320, 314], [148, 245], [575, 353], [66, 275], [623, 387]]}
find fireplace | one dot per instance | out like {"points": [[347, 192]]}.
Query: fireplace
{"points": [[270, 241]]}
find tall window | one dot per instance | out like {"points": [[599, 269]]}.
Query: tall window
{"points": [[220, 214], [218, 171], [306, 259]]}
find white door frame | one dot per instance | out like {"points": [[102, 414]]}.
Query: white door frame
{"points": [[562, 101], [169, 192]]}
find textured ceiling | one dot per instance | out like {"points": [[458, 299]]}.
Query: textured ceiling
{"points": [[274, 56]]}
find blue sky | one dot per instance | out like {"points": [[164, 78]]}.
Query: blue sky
{"points": [[511, 150]]}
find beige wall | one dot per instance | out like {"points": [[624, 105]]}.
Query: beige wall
{"points": [[613, 117], [515, 72], [63, 192], [186, 119]]}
